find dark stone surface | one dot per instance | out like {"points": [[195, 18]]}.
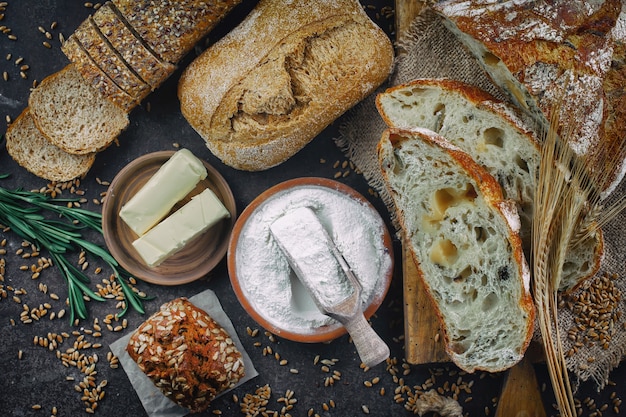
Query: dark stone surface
{"points": [[40, 378]]}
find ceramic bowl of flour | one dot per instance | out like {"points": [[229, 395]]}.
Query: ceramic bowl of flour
{"points": [[262, 279]]}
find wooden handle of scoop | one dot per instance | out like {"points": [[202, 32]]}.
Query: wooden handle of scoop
{"points": [[371, 348]]}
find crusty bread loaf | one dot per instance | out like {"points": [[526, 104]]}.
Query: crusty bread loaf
{"points": [[144, 62], [29, 148], [74, 115], [463, 237], [491, 132], [172, 27], [273, 83], [108, 60], [551, 56], [187, 355]]}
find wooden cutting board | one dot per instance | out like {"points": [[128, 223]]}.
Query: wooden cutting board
{"points": [[520, 395]]}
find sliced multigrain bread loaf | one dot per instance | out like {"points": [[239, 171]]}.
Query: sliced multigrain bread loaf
{"points": [[73, 115], [491, 132], [30, 149], [95, 76], [142, 60], [108, 60], [171, 28], [463, 237]]}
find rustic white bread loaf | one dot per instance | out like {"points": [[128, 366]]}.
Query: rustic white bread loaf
{"points": [[73, 115], [140, 58], [491, 132], [267, 88], [172, 27], [30, 149], [556, 55], [463, 237]]}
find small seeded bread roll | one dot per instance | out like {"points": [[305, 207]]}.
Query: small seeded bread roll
{"points": [[30, 149], [187, 355], [491, 132], [74, 115], [172, 27], [463, 237], [266, 89]]}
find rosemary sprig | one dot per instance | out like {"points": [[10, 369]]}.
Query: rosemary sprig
{"points": [[23, 211]]}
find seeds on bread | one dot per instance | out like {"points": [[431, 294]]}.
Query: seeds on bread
{"points": [[463, 238], [31, 150], [171, 28], [186, 354], [73, 115], [144, 62]]}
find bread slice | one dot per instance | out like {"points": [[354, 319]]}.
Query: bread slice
{"points": [[172, 28], [108, 60], [143, 61], [548, 58], [73, 115], [266, 89], [463, 237], [31, 150], [491, 132], [95, 76]]}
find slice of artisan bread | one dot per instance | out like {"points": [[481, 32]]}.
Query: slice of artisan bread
{"points": [[108, 60], [171, 28], [95, 76], [73, 115], [141, 59], [30, 149], [463, 237], [491, 132]]}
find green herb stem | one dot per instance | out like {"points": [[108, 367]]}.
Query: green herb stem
{"points": [[23, 211]]}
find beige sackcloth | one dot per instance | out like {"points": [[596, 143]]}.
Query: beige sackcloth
{"points": [[429, 50]]}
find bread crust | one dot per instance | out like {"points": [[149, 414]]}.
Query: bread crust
{"points": [[284, 74], [32, 151], [144, 62], [187, 354], [172, 27], [392, 139], [546, 46]]}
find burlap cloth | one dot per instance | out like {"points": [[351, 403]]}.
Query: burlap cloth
{"points": [[428, 50]]}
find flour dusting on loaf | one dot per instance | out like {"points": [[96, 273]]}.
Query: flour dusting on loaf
{"points": [[283, 75]]}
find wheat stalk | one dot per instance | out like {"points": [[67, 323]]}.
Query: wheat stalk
{"points": [[568, 209]]}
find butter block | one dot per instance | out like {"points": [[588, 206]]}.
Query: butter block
{"points": [[174, 232], [170, 184]]}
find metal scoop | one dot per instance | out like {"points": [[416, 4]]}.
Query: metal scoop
{"points": [[324, 272]]}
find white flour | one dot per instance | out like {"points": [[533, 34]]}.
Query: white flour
{"points": [[266, 278]]}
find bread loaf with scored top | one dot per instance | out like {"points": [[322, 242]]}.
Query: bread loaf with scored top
{"points": [[494, 135], [267, 88], [463, 238]]}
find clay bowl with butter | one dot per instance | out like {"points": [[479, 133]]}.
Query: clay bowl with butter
{"points": [[198, 257], [262, 279]]}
